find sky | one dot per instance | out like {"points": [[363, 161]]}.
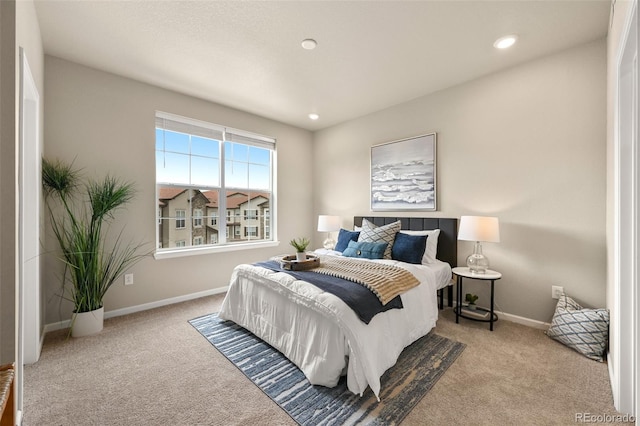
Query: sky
{"points": [[193, 160]]}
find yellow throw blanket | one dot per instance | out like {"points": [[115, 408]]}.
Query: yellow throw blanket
{"points": [[385, 281]]}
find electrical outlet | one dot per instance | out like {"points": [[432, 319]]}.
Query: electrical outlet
{"points": [[128, 279], [556, 291]]}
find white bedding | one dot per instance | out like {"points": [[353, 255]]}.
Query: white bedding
{"points": [[319, 333]]}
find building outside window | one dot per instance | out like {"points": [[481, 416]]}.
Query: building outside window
{"points": [[211, 178]]}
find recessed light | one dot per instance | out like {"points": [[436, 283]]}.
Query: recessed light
{"points": [[309, 44], [314, 116], [506, 41]]}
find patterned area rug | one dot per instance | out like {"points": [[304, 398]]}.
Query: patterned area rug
{"points": [[417, 370]]}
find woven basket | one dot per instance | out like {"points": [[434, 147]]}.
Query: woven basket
{"points": [[291, 264]]}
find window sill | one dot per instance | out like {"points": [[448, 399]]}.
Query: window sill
{"points": [[194, 251]]}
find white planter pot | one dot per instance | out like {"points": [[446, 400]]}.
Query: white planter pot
{"points": [[87, 323], [301, 257]]}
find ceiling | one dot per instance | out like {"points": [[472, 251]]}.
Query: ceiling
{"points": [[370, 55]]}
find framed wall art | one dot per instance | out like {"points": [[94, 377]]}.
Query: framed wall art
{"points": [[403, 174]]}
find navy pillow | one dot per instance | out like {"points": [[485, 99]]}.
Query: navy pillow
{"points": [[344, 237], [365, 250], [409, 248]]}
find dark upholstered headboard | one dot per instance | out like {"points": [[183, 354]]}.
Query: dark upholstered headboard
{"points": [[447, 241]]}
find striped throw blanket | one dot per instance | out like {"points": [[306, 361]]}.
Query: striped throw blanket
{"points": [[385, 281]]}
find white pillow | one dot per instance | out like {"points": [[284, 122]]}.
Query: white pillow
{"points": [[432, 244]]}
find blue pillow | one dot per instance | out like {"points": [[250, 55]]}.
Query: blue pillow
{"points": [[365, 250], [409, 248], [344, 237]]}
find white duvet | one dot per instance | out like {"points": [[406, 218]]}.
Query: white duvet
{"points": [[319, 333]]}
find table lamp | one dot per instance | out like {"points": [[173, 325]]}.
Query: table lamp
{"points": [[328, 224], [479, 229]]}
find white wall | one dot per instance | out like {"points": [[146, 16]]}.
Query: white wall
{"points": [[526, 145], [106, 124]]}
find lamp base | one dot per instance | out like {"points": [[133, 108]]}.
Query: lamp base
{"points": [[477, 262], [329, 244]]}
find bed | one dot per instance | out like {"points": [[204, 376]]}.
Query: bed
{"points": [[325, 338]]}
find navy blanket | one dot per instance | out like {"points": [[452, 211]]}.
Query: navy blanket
{"points": [[359, 298]]}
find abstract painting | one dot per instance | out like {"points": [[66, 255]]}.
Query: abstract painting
{"points": [[403, 174]]}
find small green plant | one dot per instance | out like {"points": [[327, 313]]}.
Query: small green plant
{"points": [[300, 244], [471, 298]]}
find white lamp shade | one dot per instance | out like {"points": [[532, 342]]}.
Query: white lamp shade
{"points": [[479, 228], [328, 223]]}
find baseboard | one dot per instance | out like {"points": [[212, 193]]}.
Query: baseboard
{"points": [[151, 305], [524, 321], [139, 308], [517, 319]]}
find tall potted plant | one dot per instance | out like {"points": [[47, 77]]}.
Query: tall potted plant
{"points": [[80, 215]]}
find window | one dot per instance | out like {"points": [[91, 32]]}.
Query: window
{"points": [[251, 214], [267, 228], [197, 218], [211, 176], [251, 231], [180, 219]]}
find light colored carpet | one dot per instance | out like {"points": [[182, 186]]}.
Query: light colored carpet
{"points": [[154, 368]]}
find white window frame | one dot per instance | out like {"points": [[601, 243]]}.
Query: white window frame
{"points": [[198, 241], [234, 136]]}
